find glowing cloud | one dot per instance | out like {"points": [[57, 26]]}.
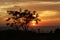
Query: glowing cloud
{"points": [[48, 13]]}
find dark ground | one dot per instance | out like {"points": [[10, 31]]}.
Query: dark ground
{"points": [[28, 35]]}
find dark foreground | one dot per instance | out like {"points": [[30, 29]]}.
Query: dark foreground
{"points": [[28, 35]]}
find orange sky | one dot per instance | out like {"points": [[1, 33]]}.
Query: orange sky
{"points": [[49, 11]]}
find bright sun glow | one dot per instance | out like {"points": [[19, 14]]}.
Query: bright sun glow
{"points": [[33, 23]]}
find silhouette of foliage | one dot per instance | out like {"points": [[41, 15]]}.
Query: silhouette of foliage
{"points": [[23, 18]]}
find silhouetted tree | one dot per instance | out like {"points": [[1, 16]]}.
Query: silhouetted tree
{"points": [[27, 16]]}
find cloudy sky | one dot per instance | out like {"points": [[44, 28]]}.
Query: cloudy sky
{"points": [[48, 10]]}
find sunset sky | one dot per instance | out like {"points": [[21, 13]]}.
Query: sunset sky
{"points": [[48, 10]]}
